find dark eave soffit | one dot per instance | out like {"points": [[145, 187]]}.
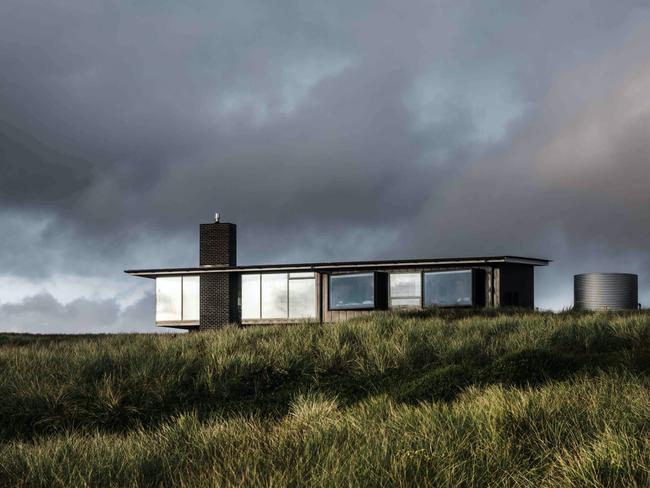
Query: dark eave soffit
{"points": [[152, 273]]}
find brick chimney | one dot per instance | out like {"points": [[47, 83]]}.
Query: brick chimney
{"points": [[219, 291], [218, 244]]}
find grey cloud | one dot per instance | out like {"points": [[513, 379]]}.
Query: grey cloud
{"points": [[43, 313], [27, 167], [572, 184], [334, 130], [585, 172]]}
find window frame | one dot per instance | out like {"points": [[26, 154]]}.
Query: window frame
{"points": [[182, 299], [198, 280], [362, 273], [259, 295], [298, 277], [469, 271], [290, 276], [419, 298], [285, 285]]}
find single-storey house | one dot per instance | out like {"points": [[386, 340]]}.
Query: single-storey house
{"points": [[218, 292]]}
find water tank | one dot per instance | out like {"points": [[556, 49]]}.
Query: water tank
{"points": [[605, 291]]}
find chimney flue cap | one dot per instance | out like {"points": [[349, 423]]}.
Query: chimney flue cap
{"points": [[216, 217]]}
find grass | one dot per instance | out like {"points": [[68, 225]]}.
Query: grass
{"points": [[426, 399]]}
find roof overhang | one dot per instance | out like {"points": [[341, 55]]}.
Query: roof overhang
{"points": [[475, 261]]}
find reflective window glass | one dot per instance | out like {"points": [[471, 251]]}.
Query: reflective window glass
{"points": [[352, 291], [191, 298], [168, 298], [405, 289], [448, 288], [274, 296], [405, 302], [309, 274], [302, 298], [250, 296]]}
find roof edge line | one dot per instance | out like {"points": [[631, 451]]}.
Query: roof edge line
{"points": [[338, 265]]}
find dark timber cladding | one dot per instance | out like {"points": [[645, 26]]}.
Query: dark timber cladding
{"points": [[481, 289], [219, 292], [517, 286]]}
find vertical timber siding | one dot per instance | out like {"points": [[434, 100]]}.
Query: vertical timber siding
{"points": [[489, 292]]}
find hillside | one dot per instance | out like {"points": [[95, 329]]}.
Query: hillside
{"points": [[428, 399]]}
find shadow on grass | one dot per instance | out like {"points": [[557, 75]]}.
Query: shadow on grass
{"points": [[268, 392], [526, 368], [144, 400]]}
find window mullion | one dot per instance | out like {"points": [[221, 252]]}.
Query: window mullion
{"points": [[182, 297]]}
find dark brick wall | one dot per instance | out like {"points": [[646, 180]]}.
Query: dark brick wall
{"points": [[219, 300], [219, 291], [218, 244]]}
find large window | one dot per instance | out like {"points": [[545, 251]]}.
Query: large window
{"points": [[191, 295], [302, 296], [352, 291], [251, 289], [405, 290], [278, 296], [177, 299], [448, 288], [275, 296]]}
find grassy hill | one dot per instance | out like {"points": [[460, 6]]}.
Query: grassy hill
{"points": [[426, 399]]}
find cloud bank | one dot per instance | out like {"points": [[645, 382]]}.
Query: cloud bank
{"points": [[345, 130]]}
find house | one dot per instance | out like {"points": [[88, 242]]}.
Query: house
{"points": [[218, 292]]}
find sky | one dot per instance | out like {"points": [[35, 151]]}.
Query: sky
{"points": [[337, 130]]}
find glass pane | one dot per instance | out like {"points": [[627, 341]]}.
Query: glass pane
{"points": [[274, 296], [302, 299], [168, 299], [448, 288], [191, 298], [309, 274], [405, 285], [250, 296], [352, 291], [405, 302]]}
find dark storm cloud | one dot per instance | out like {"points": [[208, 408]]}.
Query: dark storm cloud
{"points": [[169, 113], [582, 166], [332, 129], [573, 180]]}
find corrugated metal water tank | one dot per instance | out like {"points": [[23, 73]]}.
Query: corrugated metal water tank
{"points": [[605, 291]]}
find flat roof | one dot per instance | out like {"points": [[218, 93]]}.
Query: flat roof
{"points": [[337, 266]]}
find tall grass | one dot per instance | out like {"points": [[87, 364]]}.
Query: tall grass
{"points": [[391, 400]]}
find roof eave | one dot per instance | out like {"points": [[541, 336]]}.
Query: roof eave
{"points": [[152, 273]]}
